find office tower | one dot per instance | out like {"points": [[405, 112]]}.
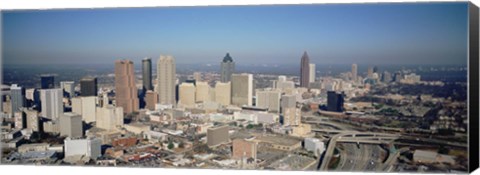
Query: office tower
{"points": [[17, 97], [242, 89], [20, 119], [88, 86], [223, 93], [109, 117], [304, 70], [197, 76], [227, 68], [386, 77], [68, 87], [217, 135], [125, 89], [375, 69], [312, 75], [244, 149], [77, 105], [33, 97], [186, 94], [147, 74], [47, 81], [269, 99], [89, 109], [334, 101], [52, 104], [202, 92], [166, 76], [71, 125], [51, 127], [151, 99], [33, 120], [291, 115], [354, 72], [369, 72], [397, 77], [90, 147]]}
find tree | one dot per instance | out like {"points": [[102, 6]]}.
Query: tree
{"points": [[170, 145], [249, 126]]}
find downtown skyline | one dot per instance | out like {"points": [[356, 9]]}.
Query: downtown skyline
{"points": [[403, 33]]}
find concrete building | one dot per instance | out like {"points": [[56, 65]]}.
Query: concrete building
{"points": [[86, 107], [88, 86], [291, 115], [77, 105], [33, 147], [314, 145], [17, 98], [227, 68], [125, 89], [71, 125], [109, 118], [20, 119], [268, 99], [242, 89], [223, 93], [52, 104], [147, 74], [305, 70], [90, 147], [68, 87], [166, 77], [33, 120], [354, 72], [47, 81], [197, 76], [51, 127], [217, 135], [244, 149], [151, 99], [370, 72], [186, 95], [202, 92], [312, 73]]}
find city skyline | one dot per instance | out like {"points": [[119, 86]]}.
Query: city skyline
{"points": [[428, 31]]}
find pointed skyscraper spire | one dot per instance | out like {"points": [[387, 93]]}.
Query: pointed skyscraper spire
{"points": [[305, 70]]}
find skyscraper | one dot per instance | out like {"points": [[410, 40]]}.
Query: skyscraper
{"points": [[223, 93], [17, 97], [334, 101], [304, 70], [71, 125], [187, 94], [242, 89], [227, 68], [312, 73], [125, 89], [354, 72], [268, 99], [88, 86], [151, 99], [109, 117], [166, 76], [47, 81], [291, 115], [369, 72], [202, 92], [147, 74], [68, 87], [52, 105]]}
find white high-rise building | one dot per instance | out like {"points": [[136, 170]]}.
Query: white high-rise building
{"points": [[86, 107], [312, 72], [268, 99], [291, 115], [186, 95], [354, 72], [202, 92], [52, 104], [68, 87], [109, 117], [166, 76], [223, 93], [71, 125], [242, 89], [90, 147]]}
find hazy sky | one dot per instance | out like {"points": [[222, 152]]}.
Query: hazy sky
{"points": [[427, 33]]}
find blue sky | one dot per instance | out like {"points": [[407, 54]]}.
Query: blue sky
{"points": [[408, 33]]}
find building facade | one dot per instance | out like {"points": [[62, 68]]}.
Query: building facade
{"points": [[242, 89], [125, 89], [227, 68], [305, 70], [166, 77]]}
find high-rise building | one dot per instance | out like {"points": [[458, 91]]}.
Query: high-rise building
{"points": [[334, 101], [244, 149], [186, 94], [20, 119], [202, 92], [68, 87], [242, 89], [109, 117], [88, 86], [90, 147], [85, 106], [227, 68], [369, 72], [217, 135], [17, 98], [291, 115], [375, 69], [147, 74], [354, 72], [151, 99], [71, 125], [33, 120], [197, 76], [52, 104], [269, 99], [312, 71], [223, 93], [166, 76], [386, 77], [304, 70], [125, 89], [47, 81]]}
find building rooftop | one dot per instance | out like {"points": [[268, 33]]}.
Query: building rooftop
{"points": [[281, 140]]}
